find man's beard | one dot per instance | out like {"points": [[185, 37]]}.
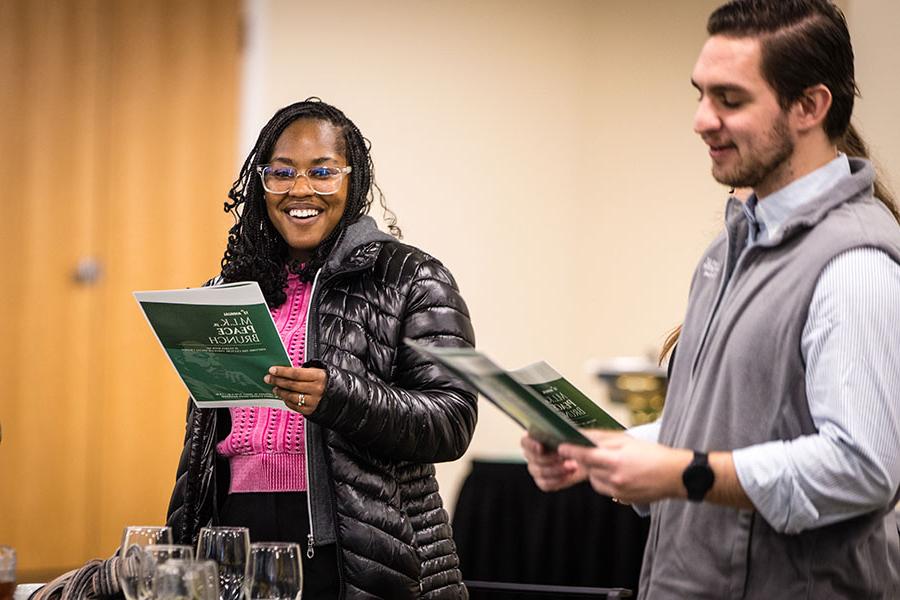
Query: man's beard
{"points": [[756, 169]]}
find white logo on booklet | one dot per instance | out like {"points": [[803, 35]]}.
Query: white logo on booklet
{"points": [[710, 267]]}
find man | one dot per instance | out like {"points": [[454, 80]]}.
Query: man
{"points": [[776, 465]]}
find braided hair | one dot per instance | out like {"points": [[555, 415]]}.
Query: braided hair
{"points": [[255, 250]]}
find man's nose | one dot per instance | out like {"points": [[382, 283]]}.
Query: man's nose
{"points": [[705, 118]]}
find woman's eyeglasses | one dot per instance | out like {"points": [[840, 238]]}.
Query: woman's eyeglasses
{"points": [[281, 180]]}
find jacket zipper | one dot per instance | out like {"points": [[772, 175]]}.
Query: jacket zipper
{"points": [[214, 484], [311, 342], [214, 418], [311, 537]]}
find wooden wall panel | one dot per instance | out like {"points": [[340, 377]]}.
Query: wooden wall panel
{"points": [[118, 134], [44, 456], [171, 228]]}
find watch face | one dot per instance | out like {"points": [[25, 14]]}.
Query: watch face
{"points": [[698, 477]]}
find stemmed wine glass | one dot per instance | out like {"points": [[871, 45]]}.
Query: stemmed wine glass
{"points": [[276, 571], [128, 567], [230, 548], [184, 579], [153, 556]]}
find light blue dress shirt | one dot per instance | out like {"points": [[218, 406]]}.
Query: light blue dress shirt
{"points": [[851, 346]]}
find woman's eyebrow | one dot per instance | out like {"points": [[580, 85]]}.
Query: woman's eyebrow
{"points": [[316, 161]]}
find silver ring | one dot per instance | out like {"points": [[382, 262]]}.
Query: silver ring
{"points": [[301, 401]]}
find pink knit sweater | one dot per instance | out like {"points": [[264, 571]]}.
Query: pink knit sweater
{"points": [[265, 446]]}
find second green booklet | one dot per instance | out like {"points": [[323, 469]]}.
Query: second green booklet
{"points": [[536, 397]]}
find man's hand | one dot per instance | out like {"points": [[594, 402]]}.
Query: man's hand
{"points": [[628, 469], [550, 471]]}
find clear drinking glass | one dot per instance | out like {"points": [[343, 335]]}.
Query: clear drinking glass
{"points": [[153, 556], [129, 566], [183, 579], [7, 573], [229, 547], [276, 571]]}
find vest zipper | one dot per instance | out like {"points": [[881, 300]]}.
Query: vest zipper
{"points": [[311, 537], [723, 283], [728, 277]]}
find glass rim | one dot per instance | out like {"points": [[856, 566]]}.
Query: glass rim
{"points": [[275, 545], [165, 547], [177, 562]]}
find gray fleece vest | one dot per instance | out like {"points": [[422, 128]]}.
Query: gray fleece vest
{"points": [[738, 380]]}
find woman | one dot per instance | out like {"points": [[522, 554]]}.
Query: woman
{"points": [[345, 468]]}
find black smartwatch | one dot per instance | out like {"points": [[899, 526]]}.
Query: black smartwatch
{"points": [[698, 477]]}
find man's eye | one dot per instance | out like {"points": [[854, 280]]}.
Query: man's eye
{"points": [[321, 172], [729, 102], [284, 173]]}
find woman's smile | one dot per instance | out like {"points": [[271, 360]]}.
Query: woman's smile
{"points": [[302, 217]]}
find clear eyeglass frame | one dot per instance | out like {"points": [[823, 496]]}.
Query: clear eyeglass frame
{"points": [[314, 176]]}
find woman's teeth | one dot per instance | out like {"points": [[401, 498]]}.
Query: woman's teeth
{"points": [[303, 213]]}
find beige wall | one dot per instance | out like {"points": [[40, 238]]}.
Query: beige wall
{"points": [[542, 150], [873, 24]]}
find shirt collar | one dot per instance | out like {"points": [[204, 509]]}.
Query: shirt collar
{"points": [[772, 211]]}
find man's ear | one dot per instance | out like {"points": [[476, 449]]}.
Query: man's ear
{"points": [[811, 108]]}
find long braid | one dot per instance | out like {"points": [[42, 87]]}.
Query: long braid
{"points": [[852, 144], [255, 250]]}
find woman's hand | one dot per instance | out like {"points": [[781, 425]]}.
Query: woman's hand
{"points": [[550, 471], [300, 388]]}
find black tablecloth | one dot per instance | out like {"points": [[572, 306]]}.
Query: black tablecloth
{"points": [[507, 530]]}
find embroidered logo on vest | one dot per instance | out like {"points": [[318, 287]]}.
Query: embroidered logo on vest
{"points": [[710, 267]]}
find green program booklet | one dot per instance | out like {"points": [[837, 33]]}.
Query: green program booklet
{"points": [[220, 339], [536, 397]]}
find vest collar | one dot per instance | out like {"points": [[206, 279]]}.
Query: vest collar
{"points": [[812, 211]]}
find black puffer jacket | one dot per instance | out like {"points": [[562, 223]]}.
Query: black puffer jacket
{"points": [[387, 414]]}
